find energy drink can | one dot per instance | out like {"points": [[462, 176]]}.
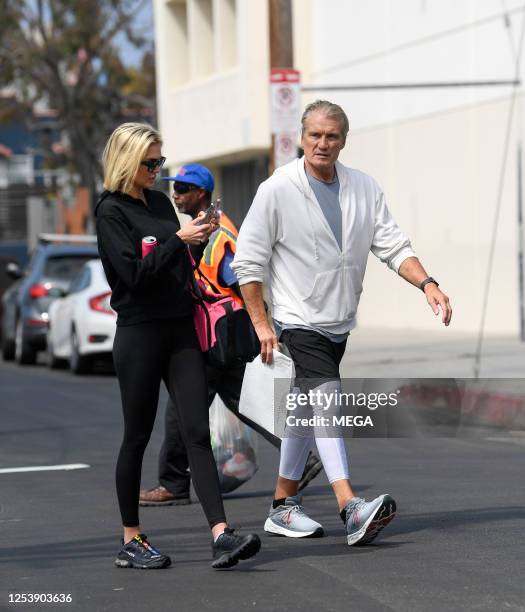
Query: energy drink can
{"points": [[148, 244]]}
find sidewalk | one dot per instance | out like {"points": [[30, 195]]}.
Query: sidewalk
{"points": [[496, 400], [387, 353]]}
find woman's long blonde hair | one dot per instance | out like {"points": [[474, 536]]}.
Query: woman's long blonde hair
{"points": [[124, 150]]}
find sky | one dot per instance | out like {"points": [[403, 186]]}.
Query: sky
{"points": [[143, 26]]}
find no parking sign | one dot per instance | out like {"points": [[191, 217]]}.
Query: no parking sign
{"points": [[285, 105], [285, 148], [285, 91]]}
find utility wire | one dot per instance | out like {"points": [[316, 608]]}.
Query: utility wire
{"points": [[423, 85], [417, 42], [495, 225]]}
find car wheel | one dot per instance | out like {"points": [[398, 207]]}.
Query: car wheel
{"points": [[24, 353], [78, 364], [53, 362], [8, 349]]}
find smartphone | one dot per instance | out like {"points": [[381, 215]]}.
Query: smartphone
{"points": [[214, 209]]}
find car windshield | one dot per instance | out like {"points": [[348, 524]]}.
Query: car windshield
{"points": [[64, 267]]}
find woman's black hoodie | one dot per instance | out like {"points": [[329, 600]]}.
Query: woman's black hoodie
{"points": [[155, 287]]}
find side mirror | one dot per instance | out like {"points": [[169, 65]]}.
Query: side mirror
{"points": [[56, 292], [13, 270]]}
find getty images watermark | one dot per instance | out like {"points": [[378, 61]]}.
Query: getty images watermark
{"points": [[330, 402], [398, 408]]}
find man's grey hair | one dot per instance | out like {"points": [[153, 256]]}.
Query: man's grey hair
{"points": [[329, 109]]}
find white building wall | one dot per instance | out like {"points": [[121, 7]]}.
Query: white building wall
{"points": [[400, 41], [438, 152], [441, 175]]}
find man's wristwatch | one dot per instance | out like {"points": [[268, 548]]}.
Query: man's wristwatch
{"points": [[428, 280]]}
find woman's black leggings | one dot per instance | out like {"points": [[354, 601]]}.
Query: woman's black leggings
{"points": [[144, 354]]}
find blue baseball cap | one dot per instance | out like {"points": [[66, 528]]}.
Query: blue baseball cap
{"points": [[195, 174]]}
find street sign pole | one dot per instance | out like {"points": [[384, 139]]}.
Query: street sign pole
{"points": [[284, 84]]}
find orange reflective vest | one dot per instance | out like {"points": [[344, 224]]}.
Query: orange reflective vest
{"points": [[222, 238]]}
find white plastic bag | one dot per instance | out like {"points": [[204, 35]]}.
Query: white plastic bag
{"points": [[234, 447], [264, 391]]}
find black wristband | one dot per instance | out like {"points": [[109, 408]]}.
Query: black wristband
{"points": [[427, 281]]}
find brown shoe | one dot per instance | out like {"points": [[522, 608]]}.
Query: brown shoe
{"points": [[160, 496]]}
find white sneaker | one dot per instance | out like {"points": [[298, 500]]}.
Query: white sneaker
{"points": [[290, 520]]}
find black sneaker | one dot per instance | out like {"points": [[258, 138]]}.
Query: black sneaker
{"points": [[139, 553], [230, 548], [313, 466]]}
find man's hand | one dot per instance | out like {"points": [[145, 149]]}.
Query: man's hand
{"points": [[437, 299], [252, 296], [413, 272], [268, 341]]}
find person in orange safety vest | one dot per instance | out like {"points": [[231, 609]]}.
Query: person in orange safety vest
{"points": [[219, 252]]}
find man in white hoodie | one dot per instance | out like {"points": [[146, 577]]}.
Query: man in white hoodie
{"points": [[312, 225]]}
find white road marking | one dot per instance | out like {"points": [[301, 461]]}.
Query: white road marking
{"points": [[45, 468]]}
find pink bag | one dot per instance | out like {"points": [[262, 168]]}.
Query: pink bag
{"points": [[206, 316], [224, 329]]}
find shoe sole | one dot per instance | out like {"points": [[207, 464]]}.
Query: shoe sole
{"points": [[377, 521], [173, 502], [271, 527], [249, 548], [128, 564], [310, 475]]}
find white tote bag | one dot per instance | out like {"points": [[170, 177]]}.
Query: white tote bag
{"points": [[264, 392]]}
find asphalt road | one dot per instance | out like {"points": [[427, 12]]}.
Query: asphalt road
{"points": [[456, 544]]}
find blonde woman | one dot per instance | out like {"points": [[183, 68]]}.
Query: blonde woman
{"points": [[155, 338]]}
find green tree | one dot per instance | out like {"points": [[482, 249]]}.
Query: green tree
{"points": [[141, 81], [62, 53]]}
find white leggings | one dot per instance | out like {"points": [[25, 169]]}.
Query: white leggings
{"points": [[298, 440]]}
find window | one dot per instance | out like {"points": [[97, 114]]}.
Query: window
{"points": [[64, 267], [81, 281], [201, 38], [226, 47], [177, 41]]}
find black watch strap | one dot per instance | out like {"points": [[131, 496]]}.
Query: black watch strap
{"points": [[428, 280]]}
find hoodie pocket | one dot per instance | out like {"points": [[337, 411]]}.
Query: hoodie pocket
{"points": [[332, 298]]}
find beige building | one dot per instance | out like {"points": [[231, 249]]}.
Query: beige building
{"points": [[212, 73], [441, 153]]}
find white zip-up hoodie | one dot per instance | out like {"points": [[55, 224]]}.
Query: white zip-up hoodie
{"points": [[313, 282]]}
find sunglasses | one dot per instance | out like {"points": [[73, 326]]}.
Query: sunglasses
{"points": [[182, 188], [153, 164]]}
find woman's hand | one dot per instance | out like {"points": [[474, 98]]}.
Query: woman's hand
{"points": [[195, 232]]}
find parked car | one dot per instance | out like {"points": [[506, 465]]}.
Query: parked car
{"points": [[10, 252], [54, 262], [82, 324]]}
